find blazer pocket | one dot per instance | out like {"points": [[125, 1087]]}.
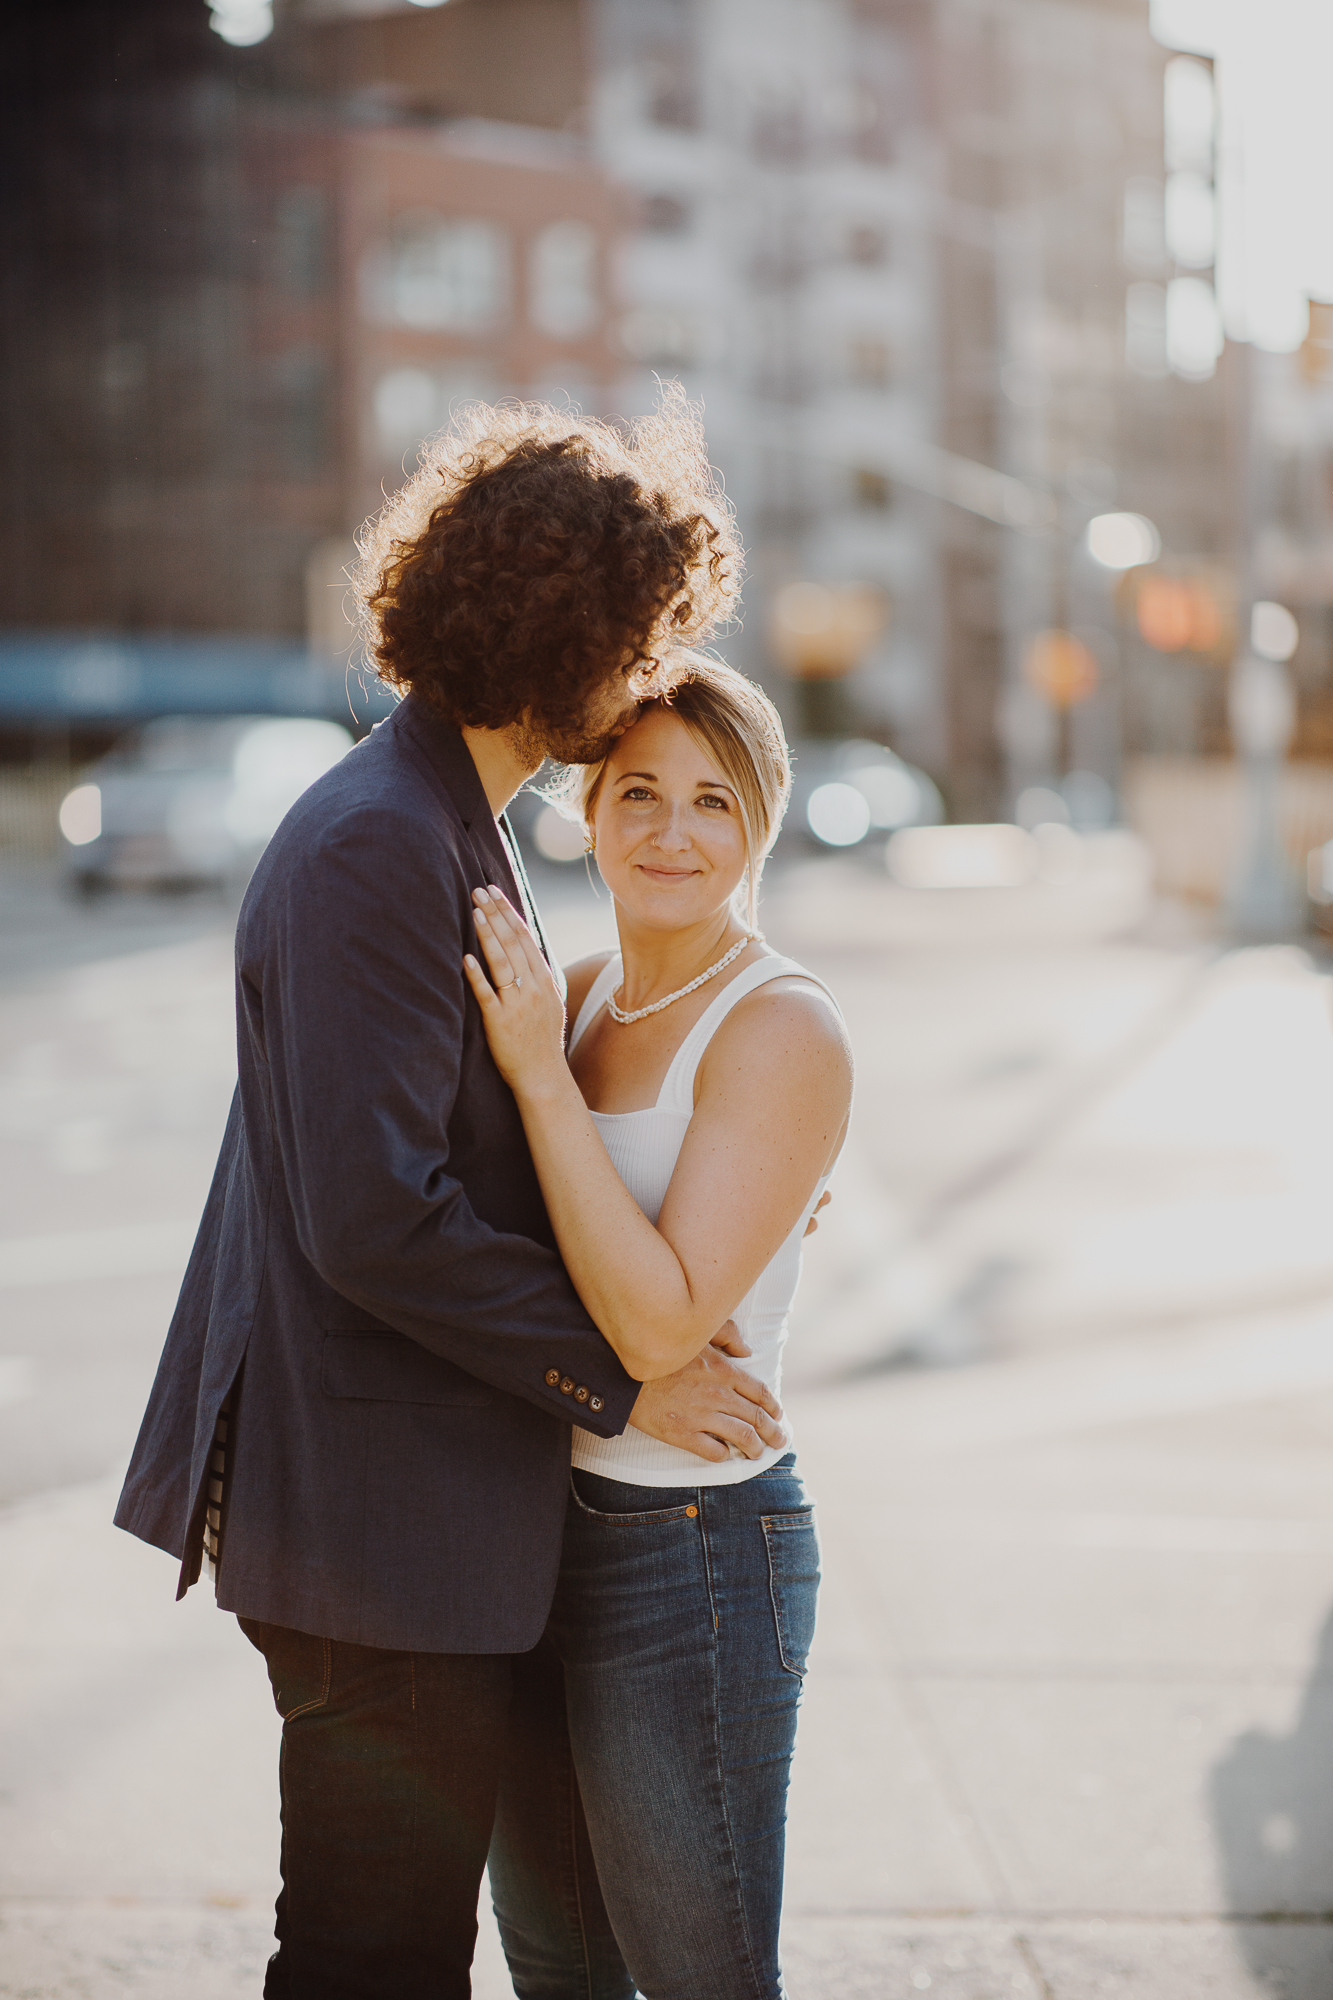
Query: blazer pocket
{"points": [[390, 1368]]}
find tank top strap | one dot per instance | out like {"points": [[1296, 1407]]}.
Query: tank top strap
{"points": [[677, 1092], [603, 986]]}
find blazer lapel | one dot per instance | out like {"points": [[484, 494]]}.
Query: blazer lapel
{"points": [[442, 748], [525, 889]]}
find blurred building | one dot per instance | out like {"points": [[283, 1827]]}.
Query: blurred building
{"points": [[1293, 560], [916, 256], [940, 271], [242, 283], [170, 433], [475, 261]]}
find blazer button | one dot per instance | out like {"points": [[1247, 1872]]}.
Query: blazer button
{"points": [[594, 1402], [567, 1385], [553, 1378], [581, 1393]]}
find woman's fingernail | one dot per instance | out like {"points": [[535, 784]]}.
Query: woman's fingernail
{"points": [[482, 918], [481, 894], [468, 959]]}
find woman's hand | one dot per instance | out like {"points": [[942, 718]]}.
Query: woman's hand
{"points": [[522, 1012]]}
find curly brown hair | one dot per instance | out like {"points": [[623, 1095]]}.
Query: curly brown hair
{"points": [[536, 552]]}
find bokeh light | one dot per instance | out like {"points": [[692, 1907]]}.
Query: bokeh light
{"points": [[1060, 667], [557, 838], [1274, 633], [243, 23], [1122, 541], [838, 814], [81, 815]]}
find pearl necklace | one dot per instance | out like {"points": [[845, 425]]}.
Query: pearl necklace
{"points": [[642, 1013]]}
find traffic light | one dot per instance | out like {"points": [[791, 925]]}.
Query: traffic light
{"points": [[1060, 667], [1183, 610]]}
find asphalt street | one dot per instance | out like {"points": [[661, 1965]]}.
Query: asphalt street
{"points": [[1062, 1380]]}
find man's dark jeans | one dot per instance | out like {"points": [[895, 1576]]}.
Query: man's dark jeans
{"points": [[390, 1763]]}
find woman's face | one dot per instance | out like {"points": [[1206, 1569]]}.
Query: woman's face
{"points": [[670, 840]]}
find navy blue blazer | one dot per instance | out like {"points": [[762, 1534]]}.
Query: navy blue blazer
{"points": [[375, 1249]]}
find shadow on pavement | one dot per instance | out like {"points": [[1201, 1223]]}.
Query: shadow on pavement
{"points": [[1271, 1799]]}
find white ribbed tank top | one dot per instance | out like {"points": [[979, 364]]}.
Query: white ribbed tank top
{"points": [[644, 1147]]}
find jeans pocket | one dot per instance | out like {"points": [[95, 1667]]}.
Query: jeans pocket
{"points": [[675, 1505], [300, 1666], [792, 1541]]}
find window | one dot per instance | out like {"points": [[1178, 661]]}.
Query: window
{"points": [[779, 132], [1145, 330], [300, 246], [1144, 239], [665, 214], [300, 377], [870, 363], [408, 404], [871, 490], [671, 94], [659, 336], [1190, 112], [562, 280], [867, 243], [1191, 227], [447, 275], [1193, 329]]}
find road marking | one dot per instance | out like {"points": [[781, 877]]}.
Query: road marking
{"points": [[134, 1250], [18, 1379]]}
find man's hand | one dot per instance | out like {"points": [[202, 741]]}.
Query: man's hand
{"points": [[711, 1404]]}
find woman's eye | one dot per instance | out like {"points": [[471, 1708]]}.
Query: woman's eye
{"points": [[713, 799], [635, 793]]}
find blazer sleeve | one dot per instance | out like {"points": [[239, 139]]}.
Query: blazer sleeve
{"points": [[355, 998]]}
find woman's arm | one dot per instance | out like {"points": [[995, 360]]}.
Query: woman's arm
{"points": [[770, 1114]]}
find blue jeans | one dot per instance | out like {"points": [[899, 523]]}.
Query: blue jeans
{"points": [[640, 1848]]}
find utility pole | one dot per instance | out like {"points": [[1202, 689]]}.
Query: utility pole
{"points": [[1264, 898]]}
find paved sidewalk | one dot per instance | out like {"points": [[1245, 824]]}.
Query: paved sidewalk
{"points": [[1063, 1383]]}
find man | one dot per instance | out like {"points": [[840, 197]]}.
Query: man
{"points": [[364, 1403]]}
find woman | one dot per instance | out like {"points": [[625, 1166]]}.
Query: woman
{"points": [[683, 1141]]}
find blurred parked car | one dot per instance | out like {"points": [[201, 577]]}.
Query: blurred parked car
{"points": [[189, 799], [843, 793]]}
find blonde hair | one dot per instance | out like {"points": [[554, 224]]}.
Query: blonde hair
{"points": [[735, 722]]}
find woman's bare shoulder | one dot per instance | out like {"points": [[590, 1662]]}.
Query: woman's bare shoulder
{"points": [[786, 1027], [579, 978]]}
